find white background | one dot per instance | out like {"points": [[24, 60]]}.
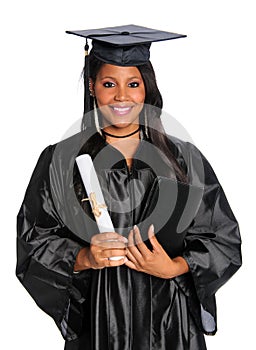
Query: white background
{"points": [[208, 85]]}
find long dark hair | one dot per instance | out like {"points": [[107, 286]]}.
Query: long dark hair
{"points": [[152, 107]]}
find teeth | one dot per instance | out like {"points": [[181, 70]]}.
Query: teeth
{"points": [[122, 109]]}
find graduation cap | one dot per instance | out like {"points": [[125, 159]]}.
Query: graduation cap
{"points": [[126, 45]]}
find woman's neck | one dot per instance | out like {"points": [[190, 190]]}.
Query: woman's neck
{"points": [[126, 145], [112, 131]]}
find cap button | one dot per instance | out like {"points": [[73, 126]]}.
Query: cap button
{"points": [[125, 33]]}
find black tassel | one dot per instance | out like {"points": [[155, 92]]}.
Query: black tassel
{"points": [[86, 79]]}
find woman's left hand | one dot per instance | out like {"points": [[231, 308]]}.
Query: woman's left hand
{"points": [[155, 262]]}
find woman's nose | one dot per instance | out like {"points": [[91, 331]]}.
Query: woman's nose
{"points": [[121, 94]]}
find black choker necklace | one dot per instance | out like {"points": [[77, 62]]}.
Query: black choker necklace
{"points": [[120, 137]]}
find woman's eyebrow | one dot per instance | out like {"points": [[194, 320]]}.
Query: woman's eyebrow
{"points": [[107, 77], [114, 78], [135, 77]]}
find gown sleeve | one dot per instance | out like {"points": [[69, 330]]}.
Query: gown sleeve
{"points": [[212, 245], [46, 253]]}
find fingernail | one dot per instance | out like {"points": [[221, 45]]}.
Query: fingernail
{"points": [[125, 240], [152, 229], [135, 227]]}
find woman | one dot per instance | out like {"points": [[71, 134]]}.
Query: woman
{"points": [[116, 290]]}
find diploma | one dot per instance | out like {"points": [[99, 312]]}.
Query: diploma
{"points": [[95, 195]]}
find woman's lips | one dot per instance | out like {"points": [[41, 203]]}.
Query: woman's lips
{"points": [[120, 111]]}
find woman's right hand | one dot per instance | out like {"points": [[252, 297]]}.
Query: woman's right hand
{"points": [[103, 246]]}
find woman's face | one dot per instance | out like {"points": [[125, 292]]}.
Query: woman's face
{"points": [[120, 94]]}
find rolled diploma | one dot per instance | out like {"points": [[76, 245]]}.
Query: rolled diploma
{"points": [[92, 185]]}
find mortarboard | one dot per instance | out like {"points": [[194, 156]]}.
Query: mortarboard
{"points": [[126, 45]]}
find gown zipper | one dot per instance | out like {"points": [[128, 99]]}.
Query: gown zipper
{"points": [[131, 194], [131, 191]]}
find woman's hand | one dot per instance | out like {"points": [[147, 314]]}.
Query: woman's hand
{"points": [[103, 246], [156, 262]]}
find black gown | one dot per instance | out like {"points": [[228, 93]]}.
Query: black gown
{"points": [[118, 308]]}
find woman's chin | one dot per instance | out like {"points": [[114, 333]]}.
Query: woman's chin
{"points": [[122, 124], [125, 125]]}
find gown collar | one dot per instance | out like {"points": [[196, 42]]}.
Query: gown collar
{"points": [[107, 156]]}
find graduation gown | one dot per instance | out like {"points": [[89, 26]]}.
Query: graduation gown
{"points": [[119, 308]]}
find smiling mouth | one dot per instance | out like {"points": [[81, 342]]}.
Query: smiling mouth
{"points": [[119, 110]]}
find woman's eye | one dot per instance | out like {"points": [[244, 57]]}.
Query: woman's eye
{"points": [[133, 84], [108, 84]]}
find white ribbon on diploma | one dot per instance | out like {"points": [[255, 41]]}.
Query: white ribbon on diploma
{"points": [[95, 195]]}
